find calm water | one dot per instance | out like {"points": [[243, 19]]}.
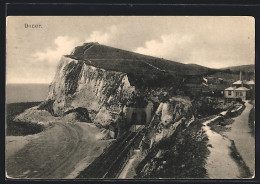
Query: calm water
{"points": [[26, 92]]}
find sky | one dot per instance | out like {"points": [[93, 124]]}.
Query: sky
{"points": [[216, 42]]}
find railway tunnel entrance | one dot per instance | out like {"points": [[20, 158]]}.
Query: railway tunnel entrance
{"points": [[136, 116], [131, 119], [143, 117]]}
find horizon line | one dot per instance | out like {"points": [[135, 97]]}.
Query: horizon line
{"points": [[26, 83]]}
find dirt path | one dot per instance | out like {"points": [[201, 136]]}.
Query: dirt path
{"points": [[219, 164], [244, 141], [56, 153]]}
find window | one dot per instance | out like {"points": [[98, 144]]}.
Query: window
{"points": [[229, 93], [241, 93]]}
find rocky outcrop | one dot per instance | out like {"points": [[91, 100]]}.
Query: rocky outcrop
{"points": [[168, 116], [78, 114], [174, 145], [78, 85], [103, 80]]}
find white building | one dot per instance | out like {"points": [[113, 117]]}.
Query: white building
{"points": [[239, 89], [233, 92]]}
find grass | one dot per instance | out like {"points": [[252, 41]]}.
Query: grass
{"points": [[244, 170], [220, 125], [203, 108], [142, 70], [236, 113], [184, 155], [20, 128], [116, 59], [251, 121]]}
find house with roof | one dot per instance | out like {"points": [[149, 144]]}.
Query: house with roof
{"points": [[239, 89], [250, 84], [233, 92]]}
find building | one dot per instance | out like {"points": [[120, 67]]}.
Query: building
{"points": [[229, 92], [237, 84], [233, 92], [250, 84], [239, 89]]}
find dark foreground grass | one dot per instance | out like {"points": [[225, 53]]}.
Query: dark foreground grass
{"points": [[20, 128], [244, 170], [220, 125], [184, 155], [251, 121]]}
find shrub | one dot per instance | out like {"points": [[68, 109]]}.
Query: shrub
{"points": [[23, 128], [251, 121], [20, 128], [183, 155]]}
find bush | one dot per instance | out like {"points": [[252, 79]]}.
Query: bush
{"points": [[23, 128], [251, 121], [239, 100], [20, 128], [183, 155]]}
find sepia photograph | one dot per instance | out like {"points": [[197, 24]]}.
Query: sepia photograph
{"points": [[130, 97]]}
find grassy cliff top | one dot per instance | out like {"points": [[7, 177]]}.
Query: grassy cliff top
{"points": [[111, 58]]}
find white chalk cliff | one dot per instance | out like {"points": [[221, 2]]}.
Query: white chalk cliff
{"points": [[101, 92]]}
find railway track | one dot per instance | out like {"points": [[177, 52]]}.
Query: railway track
{"points": [[101, 166]]}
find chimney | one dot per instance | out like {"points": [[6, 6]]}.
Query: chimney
{"points": [[241, 79]]}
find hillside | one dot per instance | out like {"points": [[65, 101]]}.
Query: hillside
{"points": [[243, 68], [115, 59], [101, 80], [232, 74]]}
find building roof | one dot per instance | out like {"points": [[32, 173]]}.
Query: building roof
{"points": [[250, 82], [238, 82], [229, 89], [241, 89]]}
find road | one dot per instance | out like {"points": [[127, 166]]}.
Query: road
{"points": [[219, 163], [244, 141], [57, 152]]}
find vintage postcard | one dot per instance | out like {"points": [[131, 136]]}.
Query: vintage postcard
{"points": [[130, 97]]}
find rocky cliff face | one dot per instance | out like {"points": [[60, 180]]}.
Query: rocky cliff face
{"points": [[168, 116], [174, 145], [99, 81], [101, 92]]}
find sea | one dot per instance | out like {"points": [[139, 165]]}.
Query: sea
{"points": [[26, 92]]}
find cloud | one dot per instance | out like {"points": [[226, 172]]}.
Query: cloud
{"points": [[172, 46], [63, 45], [208, 41], [204, 49], [48, 58], [103, 37]]}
